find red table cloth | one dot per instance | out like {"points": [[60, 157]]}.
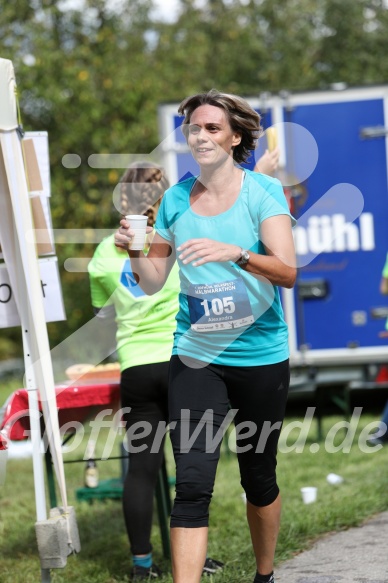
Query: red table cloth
{"points": [[74, 403]]}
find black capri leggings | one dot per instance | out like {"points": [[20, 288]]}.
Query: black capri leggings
{"points": [[259, 396], [144, 390]]}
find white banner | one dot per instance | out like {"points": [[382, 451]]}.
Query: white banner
{"points": [[51, 291]]}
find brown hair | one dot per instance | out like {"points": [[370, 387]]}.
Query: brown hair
{"points": [[141, 189], [243, 119]]}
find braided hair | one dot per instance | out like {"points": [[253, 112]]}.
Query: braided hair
{"points": [[141, 190]]}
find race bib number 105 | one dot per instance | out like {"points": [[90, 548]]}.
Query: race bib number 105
{"points": [[219, 306]]}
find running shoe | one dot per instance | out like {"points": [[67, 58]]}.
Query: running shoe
{"points": [[271, 580], [212, 566], [145, 573]]}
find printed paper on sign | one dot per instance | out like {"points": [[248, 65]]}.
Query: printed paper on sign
{"points": [[51, 291]]}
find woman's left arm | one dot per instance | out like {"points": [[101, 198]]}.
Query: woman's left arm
{"points": [[279, 265]]}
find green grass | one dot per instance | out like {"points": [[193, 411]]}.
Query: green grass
{"points": [[104, 557], [7, 387]]}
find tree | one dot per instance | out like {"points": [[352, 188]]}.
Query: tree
{"points": [[80, 76], [93, 76]]}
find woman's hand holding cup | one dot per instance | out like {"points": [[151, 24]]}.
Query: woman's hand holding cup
{"points": [[132, 233]]}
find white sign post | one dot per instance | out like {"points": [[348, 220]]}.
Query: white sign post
{"points": [[25, 284]]}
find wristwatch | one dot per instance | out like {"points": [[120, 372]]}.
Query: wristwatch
{"points": [[244, 257]]}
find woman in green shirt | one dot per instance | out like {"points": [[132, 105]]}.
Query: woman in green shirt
{"points": [[145, 328]]}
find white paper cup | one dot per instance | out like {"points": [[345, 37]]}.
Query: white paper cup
{"points": [[137, 223], [334, 479], [309, 494]]}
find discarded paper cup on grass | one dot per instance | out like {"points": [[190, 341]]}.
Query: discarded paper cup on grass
{"points": [[309, 494], [334, 479], [138, 224]]}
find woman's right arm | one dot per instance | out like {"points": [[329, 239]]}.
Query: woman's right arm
{"points": [[151, 270]]}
